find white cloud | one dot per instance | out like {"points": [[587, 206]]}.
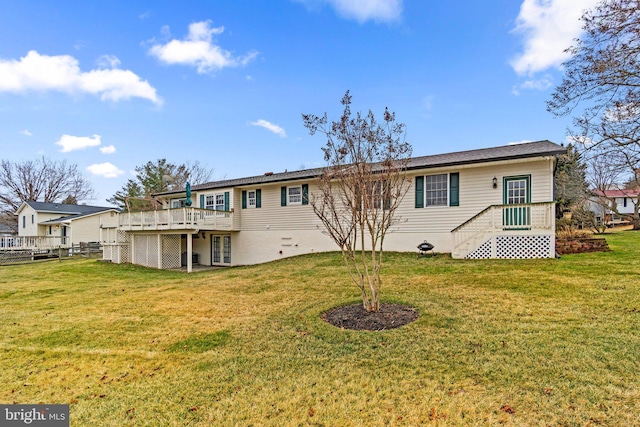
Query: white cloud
{"points": [[539, 84], [524, 141], [25, 132], [105, 170], [199, 49], [75, 143], [62, 73], [548, 28], [363, 10], [270, 127], [109, 149], [108, 61]]}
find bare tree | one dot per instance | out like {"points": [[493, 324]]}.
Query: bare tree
{"points": [[42, 180], [360, 189], [601, 86]]}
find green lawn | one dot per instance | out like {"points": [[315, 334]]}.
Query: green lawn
{"points": [[540, 342]]}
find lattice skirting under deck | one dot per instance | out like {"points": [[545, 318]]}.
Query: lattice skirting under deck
{"points": [[171, 251], [515, 247]]}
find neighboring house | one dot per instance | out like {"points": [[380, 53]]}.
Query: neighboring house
{"points": [[64, 224], [487, 203], [602, 204]]}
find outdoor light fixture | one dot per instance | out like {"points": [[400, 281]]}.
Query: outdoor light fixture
{"points": [[495, 182]]}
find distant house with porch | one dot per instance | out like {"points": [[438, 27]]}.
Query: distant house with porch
{"points": [[487, 203], [61, 224], [614, 206]]}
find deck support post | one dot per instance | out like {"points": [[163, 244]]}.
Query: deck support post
{"points": [[160, 266], [189, 252]]}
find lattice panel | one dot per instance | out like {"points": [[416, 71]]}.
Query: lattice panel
{"points": [[123, 237], [483, 252], [171, 245], [146, 250], [518, 247], [107, 252], [152, 251], [124, 253]]}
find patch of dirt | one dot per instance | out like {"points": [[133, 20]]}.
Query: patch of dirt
{"points": [[389, 316]]}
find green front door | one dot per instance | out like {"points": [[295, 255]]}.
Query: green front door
{"points": [[517, 191]]}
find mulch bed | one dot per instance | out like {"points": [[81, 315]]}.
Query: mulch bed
{"points": [[390, 316]]}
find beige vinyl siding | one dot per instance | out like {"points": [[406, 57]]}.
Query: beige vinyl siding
{"points": [[296, 229], [435, 223], [276, 217], [274, 231], [87, 229], [29, 229]]}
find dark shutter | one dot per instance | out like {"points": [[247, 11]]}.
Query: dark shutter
{"points": [[454, 189], [258, 198], [226, 201], [283, 196], [202, 201], [244, 199], [419, 191], [305, 194]]}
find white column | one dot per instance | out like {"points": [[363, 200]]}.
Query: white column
{"points": [[160, 266], [132, 248], [189, 252]]}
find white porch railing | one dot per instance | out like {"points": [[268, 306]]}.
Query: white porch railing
{"points": [[176, 219], [34, 243], [520, 219]]}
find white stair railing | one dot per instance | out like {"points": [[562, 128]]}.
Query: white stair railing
{"points": [[500, 219]]}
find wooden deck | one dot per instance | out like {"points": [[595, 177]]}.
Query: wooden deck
{"points": [[176, 219]]}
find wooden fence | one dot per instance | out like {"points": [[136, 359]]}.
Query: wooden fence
{"points": [[36, 254]]}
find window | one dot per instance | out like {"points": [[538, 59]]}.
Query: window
{"points": [[219, 202], [516, 191], [226, 249], [210, 203], [178, 203], [435, 187], [625, 202], [377, 192], [294, 195], [437, 190], [33, 217], [251, 198], [24, 221]]}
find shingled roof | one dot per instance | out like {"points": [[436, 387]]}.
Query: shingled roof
{"points": [[65, 209], [483, 155]]}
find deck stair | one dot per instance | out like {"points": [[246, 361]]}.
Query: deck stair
{"points": [[507, 231]]}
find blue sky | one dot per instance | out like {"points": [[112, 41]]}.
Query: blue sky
{"points": [[112, 85]]}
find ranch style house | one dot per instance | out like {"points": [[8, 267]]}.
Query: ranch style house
{"points": [[485, 203]]}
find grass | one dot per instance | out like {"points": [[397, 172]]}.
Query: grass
{"points": [[528, 342]]}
